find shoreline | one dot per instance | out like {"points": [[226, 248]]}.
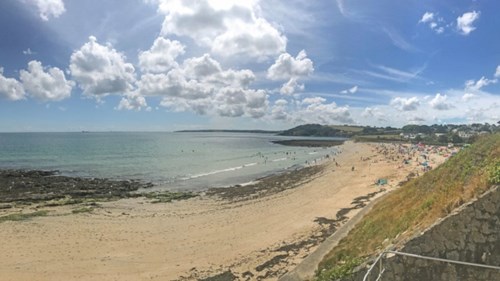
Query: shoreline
{"points": [[256, 234]]}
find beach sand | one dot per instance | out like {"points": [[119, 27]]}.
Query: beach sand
{"points": [[260, 238]]}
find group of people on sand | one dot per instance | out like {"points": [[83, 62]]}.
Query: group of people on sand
{"points": [[421, 155]]}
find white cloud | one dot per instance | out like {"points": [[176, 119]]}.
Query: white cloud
{"points": [[207, 69], [404, 104], [468, 96], [440, 102], [311, 110], [291, 87], [435, 23], [286, 67], [471, 85], [292, 69], [133, 102], [497, 72], [227, 27], [50, 85], [10, 88], [279, 110], [374, 112], [162, 55], [50, 8], [201, 85], [427, 17], [101, 70], [314, 100], [28, 52], [352, 90], [325, 113], [465, 22]]}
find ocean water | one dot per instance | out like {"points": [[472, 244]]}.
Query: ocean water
{"points": [[174, 161]]}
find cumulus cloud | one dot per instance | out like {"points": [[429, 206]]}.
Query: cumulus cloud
{"points": [[291, 87], [50, 85], [352, 90], [279, 110], [133, 102], [311, 110], [404, 104], [465, 22], [471, 85], [374, 112], [286, 66], [49, 8], [101, 70], [162, 55], [440, 102], [325, 113], [227, 27], [289, 68], [201, 85], [10, 88]]}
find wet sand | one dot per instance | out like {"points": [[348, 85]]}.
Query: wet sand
{"points": [[261, 237]]}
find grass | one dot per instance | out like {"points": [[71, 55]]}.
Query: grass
{"points": [[22, 216], [167, 196], [417, 205]]}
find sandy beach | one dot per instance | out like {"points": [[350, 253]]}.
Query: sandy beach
{"points": [[257, 239]]}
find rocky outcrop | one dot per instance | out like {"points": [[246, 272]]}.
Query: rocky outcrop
{"points": [[18, 186]]}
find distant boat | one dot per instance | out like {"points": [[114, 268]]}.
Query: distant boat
{"points": [[83, 132]]}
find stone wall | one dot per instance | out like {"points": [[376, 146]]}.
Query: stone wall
{"points": [[471, 234]]}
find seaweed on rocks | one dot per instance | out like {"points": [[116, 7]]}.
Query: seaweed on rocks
{"points": [[27, 187]]}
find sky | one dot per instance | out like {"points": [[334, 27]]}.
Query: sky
{"points": [[166, 65]]}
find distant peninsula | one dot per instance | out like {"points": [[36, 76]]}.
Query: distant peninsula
{"points": [[434, 134], [230, 131]]}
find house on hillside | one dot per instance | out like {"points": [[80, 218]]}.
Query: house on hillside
{"points": [[466, 135]]}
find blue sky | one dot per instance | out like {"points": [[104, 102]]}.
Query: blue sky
{"points": [[163, 65]]}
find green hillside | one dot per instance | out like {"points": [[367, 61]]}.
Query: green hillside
{"points": [[417, 205]]}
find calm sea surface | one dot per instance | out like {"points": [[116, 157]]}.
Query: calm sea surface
{"points": [[172, 160]]}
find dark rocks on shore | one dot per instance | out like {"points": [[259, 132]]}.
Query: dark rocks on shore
{"points": [[21, 186], [310, 142], [268, 185]]}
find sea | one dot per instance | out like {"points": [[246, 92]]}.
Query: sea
{"points": [[171, 160]]}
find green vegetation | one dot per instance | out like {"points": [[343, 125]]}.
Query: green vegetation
{"points": [[346, 128], [434, 134], [417, 205], [167, 196], [315, 130], [22, 217], [343, 269]]}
